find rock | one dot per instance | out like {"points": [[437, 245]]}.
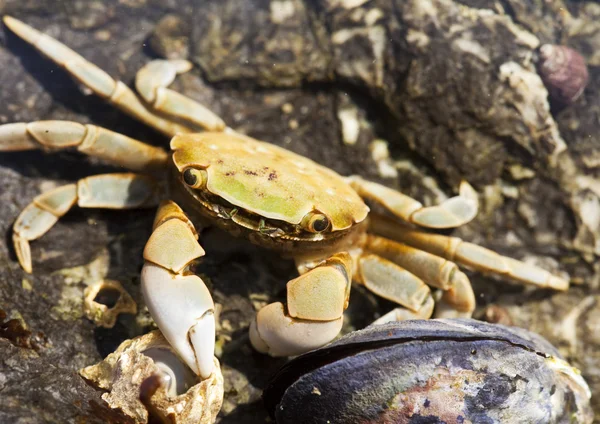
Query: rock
{"points": [[170, 38]]}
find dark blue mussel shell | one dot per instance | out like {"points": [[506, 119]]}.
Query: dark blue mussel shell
{"points": [[433, 371]]}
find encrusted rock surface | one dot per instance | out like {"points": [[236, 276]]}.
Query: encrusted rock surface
{"points": [[417, 94]]}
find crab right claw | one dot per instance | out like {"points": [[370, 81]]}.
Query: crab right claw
{"points": [[179, 301]]}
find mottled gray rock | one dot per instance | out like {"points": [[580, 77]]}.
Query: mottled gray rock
{"points": [[449, 87]]}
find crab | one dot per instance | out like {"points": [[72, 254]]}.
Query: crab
{"points": [[274, 197]]}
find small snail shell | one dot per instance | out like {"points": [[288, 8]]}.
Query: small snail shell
{"points": [[563, 71], [176, 375]]}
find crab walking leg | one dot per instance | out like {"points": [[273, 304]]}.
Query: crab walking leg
{"points": [[110, 191], [392, 282], [458, 301], [89, 139], [94, 78], [151, 83], [454, 212], [178, 300], [468, 254], [403, 314], [434, 270], [314, 314]]}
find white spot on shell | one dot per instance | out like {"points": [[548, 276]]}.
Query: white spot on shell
{"points": [[300, 165]]}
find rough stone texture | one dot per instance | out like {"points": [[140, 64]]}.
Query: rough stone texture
{"points": [[450, 86]]}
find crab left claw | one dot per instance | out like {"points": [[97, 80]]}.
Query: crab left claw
{"points": [[179, 301]]}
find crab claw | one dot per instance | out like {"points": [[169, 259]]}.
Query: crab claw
{"points": [[276, 333], [183, 309], [452, 213]]}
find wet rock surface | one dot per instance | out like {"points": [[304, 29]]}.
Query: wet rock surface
{"points": [[415, 94]]}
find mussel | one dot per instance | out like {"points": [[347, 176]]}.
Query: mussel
{"points": [[433, 371]]}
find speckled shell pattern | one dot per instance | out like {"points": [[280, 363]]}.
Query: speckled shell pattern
{"points": [[563, 71], [268, 180], [433, 371]]}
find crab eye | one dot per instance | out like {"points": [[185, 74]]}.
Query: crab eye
{"points": [[194, 178], [315, 222]]}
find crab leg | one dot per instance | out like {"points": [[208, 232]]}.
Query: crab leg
{"points": [[94, 78], [458, 301], [111, 191], [468, 254], [434, 270], [314, 314], [151, 83], [178, 300], [392, 282], [89, 139], [403, 314], [454, 212]]}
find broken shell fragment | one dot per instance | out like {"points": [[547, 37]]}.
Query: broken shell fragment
{"points": [[105, 300], [563, 71], [145, 381], [177, 377], [449, 371]]}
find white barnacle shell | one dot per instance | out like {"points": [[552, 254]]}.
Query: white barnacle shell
{"points": [[105, 300]]}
